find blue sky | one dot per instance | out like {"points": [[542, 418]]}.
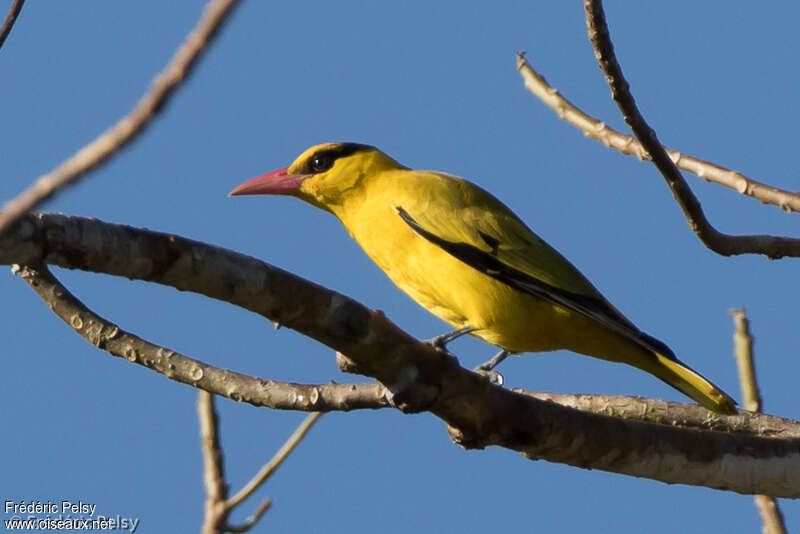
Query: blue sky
{"points": [[434, 85]]}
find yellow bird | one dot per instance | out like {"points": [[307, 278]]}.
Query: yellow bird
{"points": [[463, 255]]}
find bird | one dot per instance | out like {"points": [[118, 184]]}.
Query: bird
{"points": [[463, 255]]}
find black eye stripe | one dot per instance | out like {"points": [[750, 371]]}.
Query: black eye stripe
{"points": [[323, 159]]}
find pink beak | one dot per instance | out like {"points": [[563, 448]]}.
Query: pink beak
{"points": [[277, 182]]}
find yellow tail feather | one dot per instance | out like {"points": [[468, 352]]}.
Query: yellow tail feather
{"points": [[691, 383]]}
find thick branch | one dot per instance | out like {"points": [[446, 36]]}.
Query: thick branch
{"points": [[600, 131], [670, 413], [478, 413], [341, 397], [724, 244], [124, 131], [338, 397]]}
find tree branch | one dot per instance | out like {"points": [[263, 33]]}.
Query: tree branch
{"points": [[724, 244], [218, 506], [478, 413], [338, 397], [674, 414], [771, 516], [599, 131], [216, 514], [236, 386], [743, 349], [130, 126], [11, 18]]}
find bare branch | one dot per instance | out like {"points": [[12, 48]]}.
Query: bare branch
{"points": [[218, 507], [668, 413], [275, 462], [235, 386], [599, 131], [11, 18], [478, 413], [216, 513], [124, 131], [771, 516], [344, 397], [213, 470], [743, 349], [724, 244]]}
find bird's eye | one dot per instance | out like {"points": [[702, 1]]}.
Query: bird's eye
{"points": [[321, 162]]}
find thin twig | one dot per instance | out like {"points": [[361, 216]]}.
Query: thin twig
{"points": [[124, 131], [216, 513], [175, 366], [768, 508], [251, 521], [724, 244], [599, 131], [743, 348], [11, 18], [276, 461]]}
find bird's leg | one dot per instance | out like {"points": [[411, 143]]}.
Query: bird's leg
{"points": [[494, 362], [487, 368], [440, 342]]}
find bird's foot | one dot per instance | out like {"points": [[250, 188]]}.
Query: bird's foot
{"points": [[440, 342], [487, 368], [492, 376]]}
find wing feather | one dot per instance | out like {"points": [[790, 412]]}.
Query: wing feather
{"points": [[498, 244]]}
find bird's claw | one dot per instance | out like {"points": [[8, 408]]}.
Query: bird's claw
{"points": [[490, 374], [486, 369]]}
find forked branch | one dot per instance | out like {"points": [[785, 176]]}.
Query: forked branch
{"points": [[724, 244], [599, 131], [218, 506]]}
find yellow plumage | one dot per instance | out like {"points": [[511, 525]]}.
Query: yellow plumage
{"points": [[464, 256]]}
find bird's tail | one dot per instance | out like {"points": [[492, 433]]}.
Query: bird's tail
{"points": [[685, 379]]}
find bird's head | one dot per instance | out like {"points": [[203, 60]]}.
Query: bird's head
{"points": [[324, 175]]}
